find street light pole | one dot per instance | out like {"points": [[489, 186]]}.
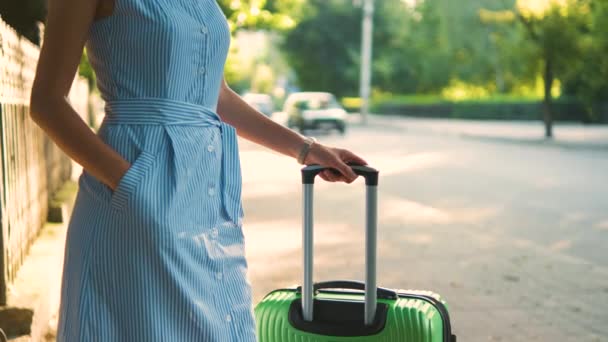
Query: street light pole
{"points": [[366, 58]]}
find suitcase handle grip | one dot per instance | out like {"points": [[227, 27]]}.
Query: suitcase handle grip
{"points": [[371, 180], [371, 175], [383, 293]]}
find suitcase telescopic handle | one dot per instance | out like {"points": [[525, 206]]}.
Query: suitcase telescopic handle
{"points": [[371, 181]]}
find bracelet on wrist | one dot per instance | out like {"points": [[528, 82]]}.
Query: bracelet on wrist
{"points": [[308, 142]]}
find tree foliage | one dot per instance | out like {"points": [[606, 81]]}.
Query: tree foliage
{"points": [[261, 14], [588, 77], [415, 50], [501, 45], [23, 15], [556, 28], [323, 49]]}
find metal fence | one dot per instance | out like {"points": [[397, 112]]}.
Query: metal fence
{"points": [[32, 166]]}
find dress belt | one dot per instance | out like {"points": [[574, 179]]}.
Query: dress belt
{"points": [[159, 111]]}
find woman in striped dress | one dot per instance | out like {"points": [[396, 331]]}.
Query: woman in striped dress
{"points": [[154, 249]]}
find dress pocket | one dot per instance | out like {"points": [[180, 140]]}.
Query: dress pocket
{"points": [[93, 187], [123, 194]]}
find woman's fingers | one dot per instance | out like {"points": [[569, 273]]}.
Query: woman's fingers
{"points": [[329, 175], [336, 176], [349, 157], [336, 160], [324, 176], [347, 172]]}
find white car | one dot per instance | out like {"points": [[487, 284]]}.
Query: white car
{"points": [[314, 110], [261, 102]]}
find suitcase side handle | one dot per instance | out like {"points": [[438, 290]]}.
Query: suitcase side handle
{"points": [[381, 292], [371, 180]]}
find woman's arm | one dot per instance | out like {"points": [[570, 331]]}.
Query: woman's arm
{"points": [[257, 127], [67, 24]]}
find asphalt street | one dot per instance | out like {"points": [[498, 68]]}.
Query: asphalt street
{"points": [[512, 233]]}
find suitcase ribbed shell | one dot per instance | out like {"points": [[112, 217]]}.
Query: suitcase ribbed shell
{"points": [[408, 320]]}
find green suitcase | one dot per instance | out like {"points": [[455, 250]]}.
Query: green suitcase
{"points": [[347, 310]]}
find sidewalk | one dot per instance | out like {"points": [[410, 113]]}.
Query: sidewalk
{"points": [[566, 135], [35, 290]]}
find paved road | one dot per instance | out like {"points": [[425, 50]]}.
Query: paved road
{"points": [[514, 236]]}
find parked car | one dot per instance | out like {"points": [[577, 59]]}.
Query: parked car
{"points": [[261, 102], [314, 110]]}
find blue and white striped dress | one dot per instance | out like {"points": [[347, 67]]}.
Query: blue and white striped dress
{"points": [[160, 258]]}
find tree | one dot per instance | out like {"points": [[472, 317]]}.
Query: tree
{"points": [[588, 78], [261, 14], [403, 39], [323, 49], [554, 27], [23, 16]]}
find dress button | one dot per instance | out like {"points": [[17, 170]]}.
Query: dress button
{"points": [[214, 232], [211, 191], [204, 29], [228, 318], [210, 148], [201, 70], [219, 275]]}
